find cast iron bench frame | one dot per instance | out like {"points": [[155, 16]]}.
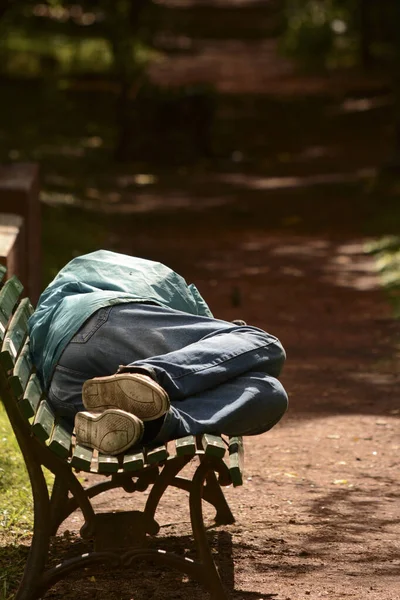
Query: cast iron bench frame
{"points": [[46, 441]]}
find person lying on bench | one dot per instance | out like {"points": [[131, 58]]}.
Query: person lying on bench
{"points": [[131, 355]]}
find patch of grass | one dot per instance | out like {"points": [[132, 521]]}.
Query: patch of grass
{"points": [[15, 490], [16, 518], [16, 509]]}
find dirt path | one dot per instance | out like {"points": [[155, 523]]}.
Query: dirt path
{"points": [[318, 515]]}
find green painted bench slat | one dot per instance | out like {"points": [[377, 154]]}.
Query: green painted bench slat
{"points": [[186, 446], [60, 440], [236, 460], [156, 455], [82, 458], [23, 366], [21, 373], [107, 464], [44, 421], [17, 330], [133, 462], [213, 445], [31, 398], [9, 295], [3, 271]]}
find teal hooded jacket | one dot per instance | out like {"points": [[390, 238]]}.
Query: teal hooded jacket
{"points": [[90, 282]]}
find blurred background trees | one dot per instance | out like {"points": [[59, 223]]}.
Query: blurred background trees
{"points": [[115, 40], [79, 95], [331, 33], [326, 34]]}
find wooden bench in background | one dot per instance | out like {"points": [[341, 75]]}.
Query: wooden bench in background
{"points": [[117, 538], [19, 196], [12, 250]]}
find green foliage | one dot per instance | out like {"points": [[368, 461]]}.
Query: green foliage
{"points": [[317, 29], [45, 55], [59, 38], [331, 33], [387, 253]]}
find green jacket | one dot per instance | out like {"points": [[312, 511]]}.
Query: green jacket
{"points": [[99, 279]]}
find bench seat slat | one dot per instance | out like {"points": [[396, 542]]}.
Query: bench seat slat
{"points": [[17, 330], [213, 445], [23, 366], [133, 462], [236, 460], [157, 455], [186, 446], [31, 398], [44, 421], [9, 295], [107, 464], [60, 440], [82, 458]]}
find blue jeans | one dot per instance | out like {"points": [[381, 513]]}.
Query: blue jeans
{"points": [[220, 377]]}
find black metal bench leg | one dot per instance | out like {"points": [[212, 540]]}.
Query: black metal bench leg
{"points": [[58, 503], [35, 565], [211, 577], [164, 479], [224, 514]]}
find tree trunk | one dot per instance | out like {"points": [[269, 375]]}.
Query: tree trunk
{"points": [[365, 33], [124, 18]]}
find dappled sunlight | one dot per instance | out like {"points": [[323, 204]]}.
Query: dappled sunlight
{"points": [[63, 14], [138, 179], [354, 105], [66, 150], [58, 199], [314, 153], [257, 182], [92, 142], [307, 248], [351, 267], [344, 265], [377, 380]]}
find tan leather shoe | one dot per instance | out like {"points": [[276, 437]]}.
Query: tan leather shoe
{"points": [[111, 432], [133, 392]]}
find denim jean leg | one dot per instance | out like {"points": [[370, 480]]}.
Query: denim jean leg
{"points": [[65, 392], [247, 405], [215, 373], [214, 360]]}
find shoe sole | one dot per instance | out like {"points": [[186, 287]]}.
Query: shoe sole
{"points": [[111, 432], [131, 392]]}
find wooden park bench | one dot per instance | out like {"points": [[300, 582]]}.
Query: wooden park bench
{"points": [[119, 538]]}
